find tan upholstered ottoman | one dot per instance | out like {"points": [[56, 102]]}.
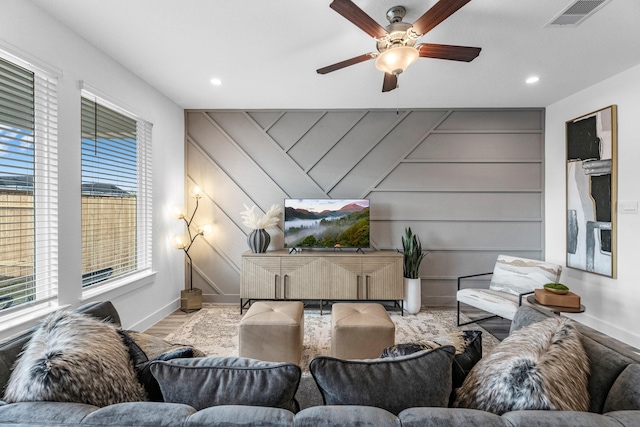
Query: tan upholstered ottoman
{"points": [[273, 331], [360, 330]]}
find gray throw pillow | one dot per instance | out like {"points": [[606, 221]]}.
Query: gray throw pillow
{"points": [[541, 366], [213, 381], [394, 384], [73, 357], [468, 345], [145, 348]]}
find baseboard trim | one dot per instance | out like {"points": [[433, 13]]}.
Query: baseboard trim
{"points": [[613, 331], [156, 316]]}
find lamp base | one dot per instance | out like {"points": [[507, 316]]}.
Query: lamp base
{"points": [[191, 300]]}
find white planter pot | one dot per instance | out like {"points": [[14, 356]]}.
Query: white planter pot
{"points": [[412, 295]]}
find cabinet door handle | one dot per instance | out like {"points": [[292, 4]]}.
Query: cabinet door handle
{"points": [[367, 286], [275, 287], [284, 296]]}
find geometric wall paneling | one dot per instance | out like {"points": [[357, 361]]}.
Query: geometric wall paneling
{"points": [[213, 181], [290, 126], [349, 150], [479, 147], [469, 182], [325, 133], [452, 206], [230, 158], [479, 121], [229, 197], [265, 118], [464, 177], [213, 270], [260, 147], [388, 151], [463, 235], [228, 230]]}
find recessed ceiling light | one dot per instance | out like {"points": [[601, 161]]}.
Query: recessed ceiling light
{"points": [[216, 82], [532, 79]]}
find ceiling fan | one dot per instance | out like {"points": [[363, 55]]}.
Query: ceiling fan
{"points": [[396, 43]]}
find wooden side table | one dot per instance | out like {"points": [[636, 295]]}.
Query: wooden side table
{"points": [[554, 308]]}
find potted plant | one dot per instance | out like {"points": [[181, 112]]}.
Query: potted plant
{"points": [[413, 256]]}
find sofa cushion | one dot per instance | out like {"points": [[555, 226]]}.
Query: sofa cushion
{"points": [[73, 357], [445, 417], [233, 415], [562, 418], [625, 392], [140, 414], [521, 275], [331, 416], [212, 381], [468, 345], [44, 414], [541, 366], [394, 384]]}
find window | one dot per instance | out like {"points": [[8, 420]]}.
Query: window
{"points": [[116, 192], [28, 184]]}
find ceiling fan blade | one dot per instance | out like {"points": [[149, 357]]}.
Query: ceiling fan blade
{"points": [[346, 63], [438, 13], [358, 17], [445, 51], [390, 82]]}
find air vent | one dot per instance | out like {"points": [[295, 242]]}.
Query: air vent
{"points": [[577, 12]]}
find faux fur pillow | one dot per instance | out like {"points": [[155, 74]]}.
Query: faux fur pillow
{"points": [[541, 366], [73, 357]]}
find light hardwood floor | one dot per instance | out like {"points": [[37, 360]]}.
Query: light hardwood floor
{"points": [[497, 327], [169, 323]]}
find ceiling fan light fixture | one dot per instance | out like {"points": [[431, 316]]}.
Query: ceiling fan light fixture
{"points": [[396, 59]]}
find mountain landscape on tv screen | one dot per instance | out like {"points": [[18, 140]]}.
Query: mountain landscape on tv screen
{"points": [[307, 225]]}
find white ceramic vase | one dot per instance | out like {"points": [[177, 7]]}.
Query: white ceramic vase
{"points": [[412, 295]]}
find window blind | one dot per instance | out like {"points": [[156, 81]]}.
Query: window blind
{"points": [[28, 185], [116, 193]]}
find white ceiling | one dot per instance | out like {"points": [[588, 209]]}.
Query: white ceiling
{"points": [[266, 52]]}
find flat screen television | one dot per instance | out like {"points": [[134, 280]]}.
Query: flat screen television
{"points": [[326, 223]]}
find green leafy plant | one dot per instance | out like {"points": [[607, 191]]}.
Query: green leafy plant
{"points": [[413, 254], [556, 288]]}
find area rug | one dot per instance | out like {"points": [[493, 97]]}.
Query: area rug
{"points": [[214, 330]]}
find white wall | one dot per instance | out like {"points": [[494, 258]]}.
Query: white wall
{"points": [[27, 29], [612, 305]]}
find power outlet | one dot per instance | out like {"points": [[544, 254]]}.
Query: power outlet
{"points": [[628, 207]]}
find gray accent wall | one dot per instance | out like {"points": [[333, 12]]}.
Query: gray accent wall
{"points": [[469, 183]]}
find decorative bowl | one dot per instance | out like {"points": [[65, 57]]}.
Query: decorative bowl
{"points": [[556, 288]]}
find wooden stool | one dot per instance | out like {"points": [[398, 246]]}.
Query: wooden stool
{"points": [[360, 330], [272, 331]]}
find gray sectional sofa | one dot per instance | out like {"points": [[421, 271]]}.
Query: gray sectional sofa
{"points": [[614, 388]]}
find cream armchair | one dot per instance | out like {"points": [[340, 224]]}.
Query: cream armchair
{"points": [[513, 278]]}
